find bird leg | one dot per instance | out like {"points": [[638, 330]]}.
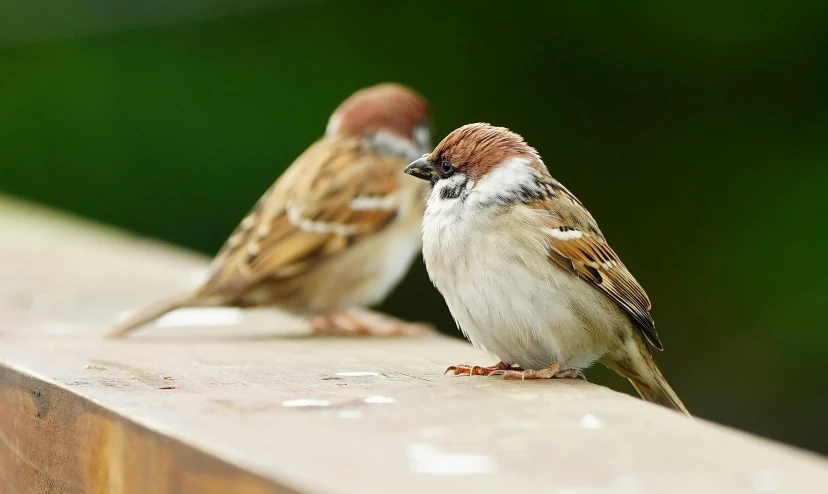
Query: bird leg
{"points": [[361, 322], [554, 371], [477, 370]]}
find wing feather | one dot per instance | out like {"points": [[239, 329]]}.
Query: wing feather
{"points": [[577, 245], [308, 215]]}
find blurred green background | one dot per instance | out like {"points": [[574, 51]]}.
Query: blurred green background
{"points": [[696, 133]]}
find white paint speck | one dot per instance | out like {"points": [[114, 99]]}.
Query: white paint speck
{"points": [[349, 414], [379, 399], [590, 421], [305, 402], [426, 459], [357, 374], [202, 316]]}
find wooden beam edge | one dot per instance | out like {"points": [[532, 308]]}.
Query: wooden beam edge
{"points": [[41, 421]]}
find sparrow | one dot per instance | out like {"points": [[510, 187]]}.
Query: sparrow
{"points": [[336, 232], [525, 270]]}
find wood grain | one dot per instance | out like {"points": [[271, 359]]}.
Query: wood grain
{"points": [[55, 441], [255, 405]]}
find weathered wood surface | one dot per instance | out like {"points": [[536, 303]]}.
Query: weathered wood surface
{"points": [[256, 406]]}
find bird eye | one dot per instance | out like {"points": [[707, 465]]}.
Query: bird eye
{"points": [[446, 168]]}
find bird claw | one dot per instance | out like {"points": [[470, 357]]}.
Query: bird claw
{"points": [[477, 370], [572, 374], [507, 371], [552, 372], [355, 322]]}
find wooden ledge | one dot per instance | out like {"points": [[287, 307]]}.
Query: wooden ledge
{"points": [[256, 406]]}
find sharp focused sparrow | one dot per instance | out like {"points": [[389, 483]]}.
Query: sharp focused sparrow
{"points": [[524, 269], [337, 231]]}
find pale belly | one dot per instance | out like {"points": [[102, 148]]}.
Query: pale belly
{"points": [[509, 302], [365, 274], [360, 276]]}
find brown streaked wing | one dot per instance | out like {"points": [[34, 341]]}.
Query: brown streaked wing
{"points": [[307, 215], [587, 254]]}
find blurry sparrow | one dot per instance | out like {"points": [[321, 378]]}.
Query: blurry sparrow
{"points": [[524, 269], [337, 231]]}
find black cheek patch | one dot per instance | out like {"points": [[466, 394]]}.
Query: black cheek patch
{"points": [[454, 191]]}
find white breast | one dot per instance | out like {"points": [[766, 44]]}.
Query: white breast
{"points": [[492, 268], [389, 260]]}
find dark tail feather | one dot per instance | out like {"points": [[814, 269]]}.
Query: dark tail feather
{"points": [[656, 390], [642, 371], [153, 312]]}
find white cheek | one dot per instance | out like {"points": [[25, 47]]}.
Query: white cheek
{"points": [[509, 176]]}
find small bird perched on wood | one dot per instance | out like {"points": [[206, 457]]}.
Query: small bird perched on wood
{"points": [[524, 269], [336, 232]]}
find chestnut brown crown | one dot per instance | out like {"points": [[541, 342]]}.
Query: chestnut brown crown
{"points": [[479, 147], [388, 107]]}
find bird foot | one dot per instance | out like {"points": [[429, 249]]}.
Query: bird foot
{"points": [[477, 370], [359, 322], [554, 371]]}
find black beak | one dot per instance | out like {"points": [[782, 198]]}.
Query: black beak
{"points": [[421, 169]]}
